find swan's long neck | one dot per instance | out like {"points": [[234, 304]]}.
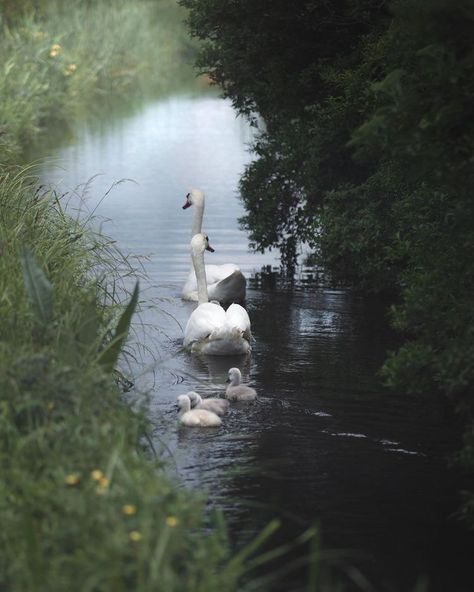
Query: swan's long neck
{"points": [[197, 217], [200, 271]]}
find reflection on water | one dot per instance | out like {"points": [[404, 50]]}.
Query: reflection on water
{"points": [[323, 442]]}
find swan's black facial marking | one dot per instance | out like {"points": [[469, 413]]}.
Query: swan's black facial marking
{"points": [[187, 203], [208, 246]]}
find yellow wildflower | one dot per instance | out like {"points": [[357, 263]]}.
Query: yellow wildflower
{"points": [[97, 475], [103, 482], [72, 479], [129, 509], [135, 536], [53, 53], [171, 521], [55, 47], [72, 67]]}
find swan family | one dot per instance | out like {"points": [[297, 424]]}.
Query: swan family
{"points": [[211, 329], [194, 411]]}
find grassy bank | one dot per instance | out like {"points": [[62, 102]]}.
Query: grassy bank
{"points": [[61, 58], [83, 506]]}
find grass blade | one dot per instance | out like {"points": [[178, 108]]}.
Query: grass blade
{"points": [[109, 355], [38, 287]]}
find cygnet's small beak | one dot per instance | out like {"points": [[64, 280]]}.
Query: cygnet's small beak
{"points": [[209, 248], [186, 205]]}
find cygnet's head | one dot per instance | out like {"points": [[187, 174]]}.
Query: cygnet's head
{"points": [[194, 197], [200, 243], [194, 398], [183, 402], [235, 376]]}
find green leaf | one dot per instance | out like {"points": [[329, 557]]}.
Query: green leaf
{"points": [[109, 355], [38, 287]]}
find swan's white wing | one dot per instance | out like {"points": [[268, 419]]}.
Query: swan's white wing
{"points": [[217, 273], [203, 321], [237, 316]]}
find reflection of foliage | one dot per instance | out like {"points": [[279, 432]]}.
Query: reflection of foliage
{"points": [[367, 155]]}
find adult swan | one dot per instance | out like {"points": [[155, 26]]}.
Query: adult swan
{"points": [[210, 329], [225, 283]]}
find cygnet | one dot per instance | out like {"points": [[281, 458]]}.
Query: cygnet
{"points": [[236, 391], [217, 406], [196, 417]]}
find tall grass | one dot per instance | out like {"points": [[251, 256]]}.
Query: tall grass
{"points": [[62, 58]]}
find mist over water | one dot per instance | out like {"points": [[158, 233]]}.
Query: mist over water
{"points": [[324, 443]]}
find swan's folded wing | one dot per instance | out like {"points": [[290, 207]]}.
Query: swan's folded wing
{"points": [[204, 319], [225, 283], [229, 289], [217, 273], [237, 316]]}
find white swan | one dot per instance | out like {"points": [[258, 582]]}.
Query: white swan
{"points": [[211, 329], [196, 417], [236, 391], [225, 283], [217, 406]]}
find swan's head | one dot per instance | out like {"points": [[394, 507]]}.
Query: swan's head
{"points": [[234, 376], [200, 243], [194, 197], [194, 398], [183, 402]]}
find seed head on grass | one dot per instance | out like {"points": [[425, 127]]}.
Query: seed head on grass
{"points": [[135, 536]]}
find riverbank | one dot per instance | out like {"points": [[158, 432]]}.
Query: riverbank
{"points": [[84, 503]]}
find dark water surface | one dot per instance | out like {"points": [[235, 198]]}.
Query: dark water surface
{"points": [[324, 442]]}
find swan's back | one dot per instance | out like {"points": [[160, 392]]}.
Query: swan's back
{"points": [[213, 331], [200, 418], [240, 393], [217, 406]]}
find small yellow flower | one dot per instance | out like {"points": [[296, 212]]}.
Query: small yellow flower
{"points": [[128, 509], [97, 475], [72, 479], [135, 536], [103, 482], [55, 47], [171, 521], [53, 53], [72, 67]]}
